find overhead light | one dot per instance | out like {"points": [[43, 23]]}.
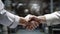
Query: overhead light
{"points": [[20, 4], [35, 7], [26, 10]]}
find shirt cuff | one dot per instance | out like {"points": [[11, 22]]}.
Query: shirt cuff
{"points": [[16, 22]]}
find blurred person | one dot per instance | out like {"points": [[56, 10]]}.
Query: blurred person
{"points": [[20, 10]]}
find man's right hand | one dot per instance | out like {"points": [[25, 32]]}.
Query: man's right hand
{"points": [[33, 22]]}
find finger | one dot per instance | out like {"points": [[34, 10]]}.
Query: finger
{"points": [[30, 27], [35, 24]]}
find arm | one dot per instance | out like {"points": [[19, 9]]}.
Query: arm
{"points": [[16, 20], [50, 19], [11, 17]]}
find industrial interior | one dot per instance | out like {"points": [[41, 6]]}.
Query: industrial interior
{"points": [[34, 7]]}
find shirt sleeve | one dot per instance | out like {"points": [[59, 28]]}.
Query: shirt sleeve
{"points": [[1, 5], [13, 18], [53, 19]]}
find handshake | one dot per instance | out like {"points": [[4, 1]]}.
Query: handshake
{"points": [[31, 22]]}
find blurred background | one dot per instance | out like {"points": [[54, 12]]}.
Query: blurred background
{"points": [[34, 7]]}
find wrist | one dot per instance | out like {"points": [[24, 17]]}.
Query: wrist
{"points": [[22, 21], [42, 19]]}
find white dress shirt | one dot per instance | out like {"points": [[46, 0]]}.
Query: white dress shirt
{"points": [[53, 18], [7, 18]]}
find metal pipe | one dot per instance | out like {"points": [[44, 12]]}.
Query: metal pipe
{"points": [[51, 5]]}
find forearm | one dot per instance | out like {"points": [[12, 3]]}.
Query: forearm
{"points": [[50, 18]]}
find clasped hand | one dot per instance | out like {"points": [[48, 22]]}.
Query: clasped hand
{"points": [[30, 22]]}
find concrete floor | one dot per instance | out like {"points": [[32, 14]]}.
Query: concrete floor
{"points": [[23, 31]]}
